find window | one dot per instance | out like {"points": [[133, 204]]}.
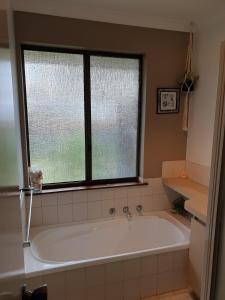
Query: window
{"points": [[82, 114]]}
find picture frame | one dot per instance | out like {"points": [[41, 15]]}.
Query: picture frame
{"points": [[168, 100]]}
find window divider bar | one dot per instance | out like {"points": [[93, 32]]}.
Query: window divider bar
{"points": [[87, 112]]}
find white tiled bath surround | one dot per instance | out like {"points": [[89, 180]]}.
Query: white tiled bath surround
{"points": [[78, 206], [132, 279], [193, 171]]}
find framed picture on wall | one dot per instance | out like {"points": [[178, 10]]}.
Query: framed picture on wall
{"points": [[168, 100]]}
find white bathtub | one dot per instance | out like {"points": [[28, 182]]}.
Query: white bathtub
{"points": [[109, 240]]}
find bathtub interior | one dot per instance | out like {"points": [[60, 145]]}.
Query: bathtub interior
{"points": [[108, 240]]}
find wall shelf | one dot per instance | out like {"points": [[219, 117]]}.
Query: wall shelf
{"points": [[195, 193]]}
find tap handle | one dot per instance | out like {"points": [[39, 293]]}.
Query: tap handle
{"points": [[112, 211], [125, 209], [139, 208]]}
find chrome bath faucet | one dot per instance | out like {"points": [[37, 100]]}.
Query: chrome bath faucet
{"points": [[127, 212]]}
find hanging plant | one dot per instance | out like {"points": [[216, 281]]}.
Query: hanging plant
{"points": [[188, 82]]}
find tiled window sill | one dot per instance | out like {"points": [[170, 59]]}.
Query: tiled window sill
{"points": [[91, 187]]}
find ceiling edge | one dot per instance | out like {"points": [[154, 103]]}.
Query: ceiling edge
{"points": [[102, 15]]}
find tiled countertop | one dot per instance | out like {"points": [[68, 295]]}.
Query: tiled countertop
{"points": [[196, 194]]}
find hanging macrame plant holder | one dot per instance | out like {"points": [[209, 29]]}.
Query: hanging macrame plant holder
{"points": [[188, 83]]}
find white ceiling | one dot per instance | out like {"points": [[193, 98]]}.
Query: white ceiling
{"points": [[167, 14]]}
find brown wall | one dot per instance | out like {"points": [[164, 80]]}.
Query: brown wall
{"points": [[164, 59], [3, 29]]}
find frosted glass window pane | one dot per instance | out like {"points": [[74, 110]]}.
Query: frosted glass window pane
{"points": [[114, 106], [55, 106]]}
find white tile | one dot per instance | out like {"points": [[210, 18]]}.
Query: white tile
{"points": [[157, 202], [33, 283], [146, 190], [167, 169], [165, 282], [36, 201], [65, 198], [157, 186], [49, 199], [76, 294], [95, 275], [114, 291], [149, 181], [119, 204], [94, 210], [180, 259], [180, 278], [131, 289], [148, 286], [132, 204], [96, 292], [198, 173], [133, 193], [80, 196], [165, 202], [173, 168], [36, 216], [108, 194], [106, 205], [132, 268], [120, 193], [65, 213], [94, 195], [56, 286], [165, 262], [114, 272], [160, 202], [134, 190], [149, 265], [79, 211], [146, 202], [76, 279], [179, 168], [171, 194], [50, 215]]}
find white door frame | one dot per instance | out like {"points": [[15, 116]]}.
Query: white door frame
{"points": [[211, 250]]}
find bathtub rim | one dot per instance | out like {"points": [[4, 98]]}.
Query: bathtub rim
{"points": [[35, 266], [37, 229]]}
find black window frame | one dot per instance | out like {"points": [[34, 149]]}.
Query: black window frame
{"points": [[87, 114]]}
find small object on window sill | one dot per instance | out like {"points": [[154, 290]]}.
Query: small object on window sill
{"points": [[183, 174], [36, 177]]}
